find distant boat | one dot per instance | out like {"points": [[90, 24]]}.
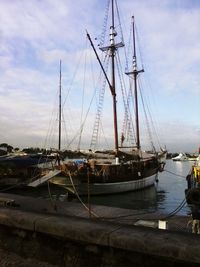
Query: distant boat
{"points": [[180, 157], [123, 168]]}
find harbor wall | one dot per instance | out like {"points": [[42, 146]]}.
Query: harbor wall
{"points": [[49, 240]]}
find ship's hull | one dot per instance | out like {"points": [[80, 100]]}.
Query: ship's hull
{"points": [[114, 188], [76, 185]]}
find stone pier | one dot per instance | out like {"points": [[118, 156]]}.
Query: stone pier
{"points": [[35, 233]]}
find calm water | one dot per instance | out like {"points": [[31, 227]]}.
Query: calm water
{"points": [[165, 197]]}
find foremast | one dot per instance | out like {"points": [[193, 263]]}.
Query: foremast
{"points": [[134, 73]]}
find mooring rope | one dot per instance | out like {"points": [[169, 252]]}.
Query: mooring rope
{"points": [[77, 195], [174, 212], [175, 173], [181, 205], [51, 198]]}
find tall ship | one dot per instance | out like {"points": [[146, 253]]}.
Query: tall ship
{"points": [[97, 171], [125, 167]]}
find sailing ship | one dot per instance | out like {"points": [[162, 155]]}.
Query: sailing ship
{"points": [[124, 168]]}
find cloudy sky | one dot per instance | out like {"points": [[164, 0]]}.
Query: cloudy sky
{"points": [[36, 34]]}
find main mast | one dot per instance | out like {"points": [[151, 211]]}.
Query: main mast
{"points": [[59, 124], [112, 51], [135, 73], [112, 48]]}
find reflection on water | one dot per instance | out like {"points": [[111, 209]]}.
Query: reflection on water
{"points": [[165, 197], [144, 199]]}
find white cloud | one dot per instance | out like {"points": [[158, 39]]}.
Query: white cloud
{"points": [[35, 35]]}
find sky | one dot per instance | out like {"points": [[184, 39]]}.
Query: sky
{"points": [[36, 34]]}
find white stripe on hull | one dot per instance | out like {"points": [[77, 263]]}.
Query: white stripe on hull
{"points": [[113, 188]]}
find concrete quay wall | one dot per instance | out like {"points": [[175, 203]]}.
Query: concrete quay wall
{"points": [[70, 241]]}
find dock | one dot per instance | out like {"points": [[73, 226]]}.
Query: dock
{"points": [[64, 233]]}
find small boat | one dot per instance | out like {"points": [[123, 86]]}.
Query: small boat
{"points": [[180, 157], [125, 168], [19, 169]]}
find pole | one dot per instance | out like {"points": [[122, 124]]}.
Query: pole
{"points": [[59, 125]]}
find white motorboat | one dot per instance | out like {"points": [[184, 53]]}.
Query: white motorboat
{"points": [[180, 157]]}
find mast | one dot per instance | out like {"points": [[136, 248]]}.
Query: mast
{"points": [[59, 124], [135, 73], [112, 51], [112, 48]]}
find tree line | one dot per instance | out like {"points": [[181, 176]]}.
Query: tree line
{"points": [[28, 150]]}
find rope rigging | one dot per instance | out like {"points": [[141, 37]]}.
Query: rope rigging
{"points": [[83, 123], [147, 115], [119, 21], [155, 125], [104, 28], [82, 105], [127, 128], [130, 48], [95, 132], [82, 60], [129, 52], [139, 46], [147, 120]]}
